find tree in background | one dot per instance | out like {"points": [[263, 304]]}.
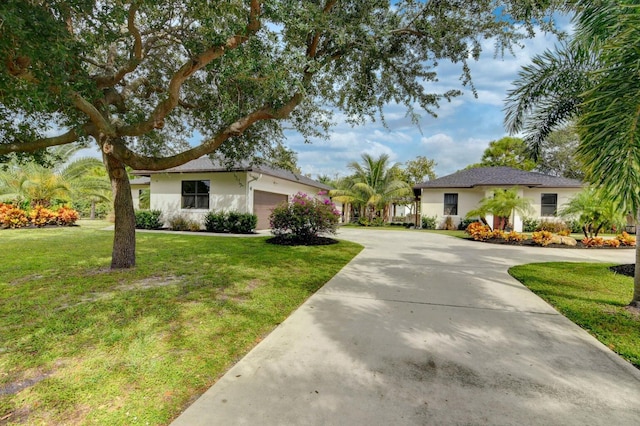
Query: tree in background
{"points": [[418, 170], [68, 181], [140, 77], [591, 80], [507, 152], [559, 156], [283, 158], [373, 186]]}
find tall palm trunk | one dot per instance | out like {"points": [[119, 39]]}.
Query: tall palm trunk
{"points": [[124, 240], [635, 301]]}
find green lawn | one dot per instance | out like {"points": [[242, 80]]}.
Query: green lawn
{"points": [[80, 344], [591, 296]]}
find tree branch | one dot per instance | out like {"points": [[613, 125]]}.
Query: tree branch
{"points": [[156, 120], [31, 146], [135, 56]]}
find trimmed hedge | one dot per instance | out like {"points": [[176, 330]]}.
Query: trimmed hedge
{"points": [[230, 222], [148, 219]]}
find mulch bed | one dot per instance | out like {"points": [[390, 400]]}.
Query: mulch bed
{"points": [[628, 270], [529, 243], [292, 241]]}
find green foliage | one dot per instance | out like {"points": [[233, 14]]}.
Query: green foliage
{"points": [[418, 170], [465, 222], [429, 222], [148, 219], [230, 222], [502, 203], [530, 224], [593, 211], [304, 218], [83, 206], [508, 152]]}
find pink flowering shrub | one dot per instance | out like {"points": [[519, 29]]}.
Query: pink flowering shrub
{"points": [[304, 218]]}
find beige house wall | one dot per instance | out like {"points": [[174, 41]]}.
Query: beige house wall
{"points": [[468, 199], [229, 191]]}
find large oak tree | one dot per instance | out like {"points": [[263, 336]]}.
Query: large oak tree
{"points": [[139, 78]]}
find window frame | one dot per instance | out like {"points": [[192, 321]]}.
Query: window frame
{"points": [[199, 196], [450, 209], [546, 206]]}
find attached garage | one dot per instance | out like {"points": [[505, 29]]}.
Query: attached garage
{"points": [[264, 203]]}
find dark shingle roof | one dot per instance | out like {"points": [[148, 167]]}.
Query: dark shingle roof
{"points": [[142, 180], [206, 165], [499, 176]]}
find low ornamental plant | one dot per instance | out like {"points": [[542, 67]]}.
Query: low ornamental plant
{"points": [[498, 234], [41, 216], [626, 239], [66, 216], [479, 232], [593, 242], [304, 218], [148, 219], [612, 243], [514, 237], [542, 238], [429, 222], [12, 216]]}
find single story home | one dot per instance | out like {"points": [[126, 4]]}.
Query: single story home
{"points": [[456, 194], [203, 185], [137, 186]]}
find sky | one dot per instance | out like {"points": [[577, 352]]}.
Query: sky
{"points": [[456, 138]]}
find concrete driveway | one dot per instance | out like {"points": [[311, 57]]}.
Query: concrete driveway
{"points": [[427, 329]]}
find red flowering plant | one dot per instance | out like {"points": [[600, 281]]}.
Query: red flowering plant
{"points": [[304, 218]]}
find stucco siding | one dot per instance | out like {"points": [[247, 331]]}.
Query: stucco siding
{"points": [[535, 195], [432, 203], [227, 192]]}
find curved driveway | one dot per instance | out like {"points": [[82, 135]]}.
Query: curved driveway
{"points": [[425, 329]]}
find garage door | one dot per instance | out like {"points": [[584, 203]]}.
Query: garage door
{"points": [[263, 203]]}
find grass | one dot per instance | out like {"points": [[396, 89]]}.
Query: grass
{"points": [[591, 296], [453, 233], [84, 345]]}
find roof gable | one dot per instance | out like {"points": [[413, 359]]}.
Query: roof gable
{"points": [[204, 164], [499, 176]]}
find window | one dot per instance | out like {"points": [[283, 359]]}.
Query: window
{"points": [[549, 204], [450, 204], [195, 194]]}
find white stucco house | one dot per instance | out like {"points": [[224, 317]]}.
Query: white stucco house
{"points": [[456, 194], [202, 185]]}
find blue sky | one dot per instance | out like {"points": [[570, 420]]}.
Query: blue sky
{"points": [[455, 139]]}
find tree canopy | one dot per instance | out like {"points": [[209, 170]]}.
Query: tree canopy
{"points": [[142, 78], [508, 152]]}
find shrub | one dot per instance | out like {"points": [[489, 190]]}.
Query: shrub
{"points": [[304, 218], [514, 237], [12, 217], [377, 221], [593, 242], [479, 232], [530, 225], [542, 238], [41, 216], [552, 226], [612, 243], [66, 216], [363, 221], [462, 226], [233, 222], [429, 222], [181, 223], [626, 239], [497, 234], [83, 207], [148, 219], [448, 224], [575, 226]]}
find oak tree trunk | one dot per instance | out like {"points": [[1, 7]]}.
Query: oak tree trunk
{"points": [[124, 238]]}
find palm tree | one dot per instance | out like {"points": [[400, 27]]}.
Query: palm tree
{"points": [[593, 211], [605, 102], [374, 185], [83, 178], [502, 204]]}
